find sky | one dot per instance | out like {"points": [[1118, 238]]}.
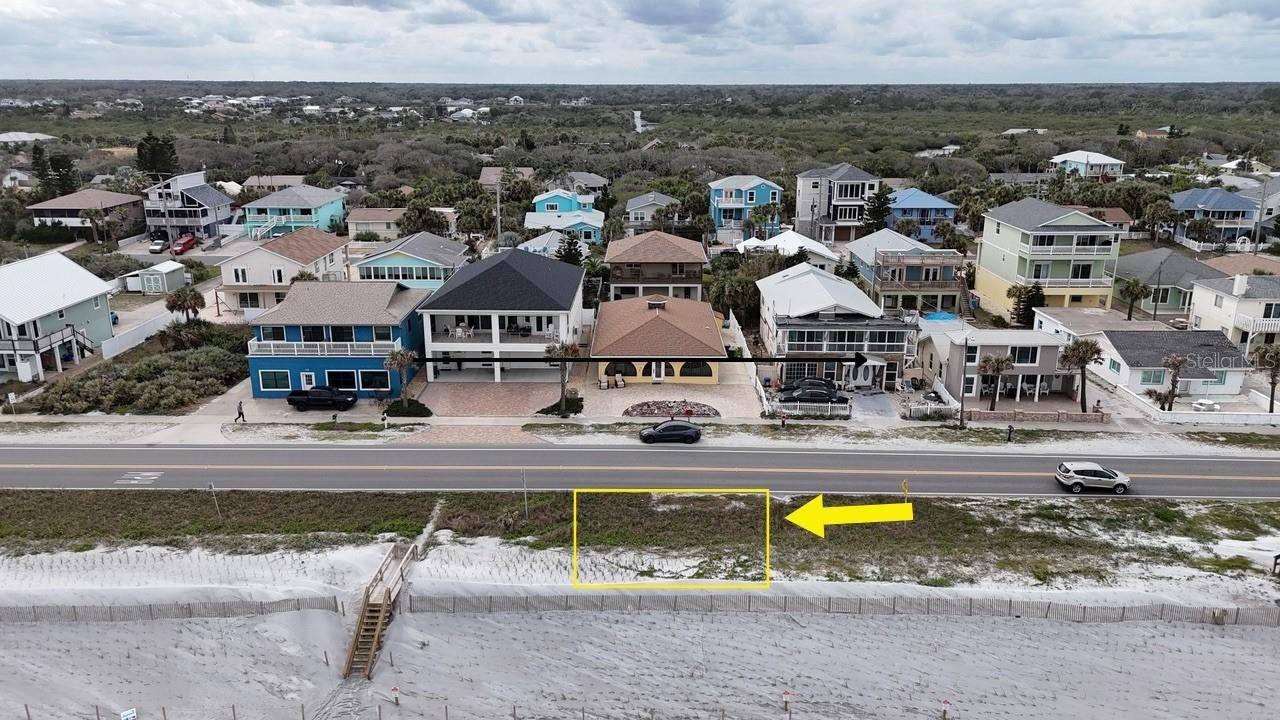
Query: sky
{"points": [[645, 41]]}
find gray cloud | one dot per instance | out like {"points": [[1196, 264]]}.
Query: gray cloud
{"points": [[693, 16]]}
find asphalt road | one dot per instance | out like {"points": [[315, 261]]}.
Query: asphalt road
{"points": [[332, 467]]}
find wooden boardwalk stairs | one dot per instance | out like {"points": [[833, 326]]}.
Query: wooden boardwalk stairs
{"points": [[377, 610]]}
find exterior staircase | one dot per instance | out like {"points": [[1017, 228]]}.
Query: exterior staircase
{"points": [[966, 304], [377, 609]]}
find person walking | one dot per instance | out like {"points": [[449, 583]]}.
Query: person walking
{"points": [[240, 413]]}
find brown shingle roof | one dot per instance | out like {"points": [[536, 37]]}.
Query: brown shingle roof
{"points": [[375, 214], [305, 245], [1109, 214], [344, 303], [655, 246], [1244, 264], [83, 199], [680, 328]]}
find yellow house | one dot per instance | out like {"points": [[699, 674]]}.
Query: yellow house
{"points": [[1071, 254], [657, 339]]}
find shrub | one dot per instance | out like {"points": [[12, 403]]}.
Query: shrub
{"points": [[234, 338], [46, 235], [109, 266], [199, 271], [408, 407], [572, 406], [158, 384], [999, 321]]}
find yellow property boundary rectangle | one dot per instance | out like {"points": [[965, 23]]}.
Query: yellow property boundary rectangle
{"points": [[764, 585]]}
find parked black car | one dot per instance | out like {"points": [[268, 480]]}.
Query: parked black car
{"points": [[322, 396], [814, 395], [810, 382], [672, 431]]}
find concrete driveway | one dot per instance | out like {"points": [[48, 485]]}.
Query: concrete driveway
{"points": [[480, 399], [732, 397]]}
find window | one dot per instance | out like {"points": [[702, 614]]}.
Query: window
{"points": [[1195, 321], [240, 275], [272, 333], [375, 380], [277, 276], [1152, 377], [279, 297], [971, 355], [814, 185], [970, 385], [1029, 355], [97, 303], [1081, 271], [1162, 296], [1271, 311], [342, 333], [249, 300], [1040, 270], [1217, 301], [751, 196], [341, 379], [695, 368], [274, 380], [552, 207], [62, 314], [1219, 378], [773, 196], [1077, 298], [330, 258], [382, 333], [1114, 366], [589, 235], [313, 333]]}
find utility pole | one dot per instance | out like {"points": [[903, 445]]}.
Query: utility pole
{"points": [[1262, 209], [498, 214], [964, 375]]}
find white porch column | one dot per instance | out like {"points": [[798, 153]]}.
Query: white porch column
{"points": [[497, 367], [1017, 393], [431, 368], [57, 356], [75, 351], [494, 319], [1038, 388], [39, 365]]}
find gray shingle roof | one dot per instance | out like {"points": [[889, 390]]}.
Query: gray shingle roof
{"points": [[844, 172], [1030, 213], [1210, 199], [1257, 287], [425, 245], [510, 281], [589, 179], [1164, 267], [344, 303], [207, 195], [649, 198], [1206, 350], [300, 196]]}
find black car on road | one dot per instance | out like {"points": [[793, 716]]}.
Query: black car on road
{"points": [[815, 396], [322, 396], [672, 431]]}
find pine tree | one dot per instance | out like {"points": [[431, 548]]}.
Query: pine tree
{"points": [[39, 163], [569, 251], [879, 208], [228, 135]]}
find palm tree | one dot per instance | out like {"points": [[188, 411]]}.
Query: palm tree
{"points": [[1200, 229], [400, 360], [563, 350], [995, 366], [1267, 358], [1165, 398], [186, 300], [95, 217], [1132, 290], [1079, 355], [908, 227], [304, 276], [1155, 215]]}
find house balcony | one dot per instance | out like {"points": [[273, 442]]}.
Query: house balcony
{"points": [[730, 225], [505, 337], [11, 345], [1098, 282], [281, 218], [622, 275], [1096, 250], [272, 348], [729, 202], [1258, 325], [897, 258], [892, 285]]}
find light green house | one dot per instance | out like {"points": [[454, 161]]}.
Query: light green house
{"points": [[52, 311], [421, 260]]}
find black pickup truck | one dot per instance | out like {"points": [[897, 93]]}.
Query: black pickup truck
{"points": [[322, 396]]}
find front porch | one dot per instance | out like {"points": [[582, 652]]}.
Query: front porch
{"points": [[31, 359], [1045, 391]]}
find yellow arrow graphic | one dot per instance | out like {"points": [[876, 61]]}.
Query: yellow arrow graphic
{"points": [[815, 517]]}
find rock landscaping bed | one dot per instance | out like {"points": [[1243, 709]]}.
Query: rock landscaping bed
{"points": [[670, 408]]}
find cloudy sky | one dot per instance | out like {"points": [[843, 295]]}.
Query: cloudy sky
{"points": [[645, 41]]}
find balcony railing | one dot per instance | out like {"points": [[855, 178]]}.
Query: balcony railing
{"points": [[892, 284], [44, 342], [313, 349], [645, 275], [730, 202], [899, 258], [281, 218], [1098, 282], [534, 337], [1067, 249], [1259, 325]]}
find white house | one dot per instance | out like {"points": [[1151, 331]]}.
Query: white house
{"points": [[790, 242], [508, 306], [640, 209], [260, 278], [1245, 308], [1134, 359], [1089, 164]]}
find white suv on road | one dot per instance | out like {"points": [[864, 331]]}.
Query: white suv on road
{"points": [[1076, 476]]}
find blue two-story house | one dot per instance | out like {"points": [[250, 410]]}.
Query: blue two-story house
{"points": [[925, 209], [567, 212], [1232, 215], [337, 334], [420, 260], [292, 208], [732, 199]]}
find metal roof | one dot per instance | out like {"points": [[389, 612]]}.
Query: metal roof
{"points": [[299, 196], [45, 284]]}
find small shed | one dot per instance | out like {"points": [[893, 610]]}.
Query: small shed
{"points": [[157, 279]]}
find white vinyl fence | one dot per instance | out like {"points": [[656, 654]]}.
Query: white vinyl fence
{"points": [[137, 334]]}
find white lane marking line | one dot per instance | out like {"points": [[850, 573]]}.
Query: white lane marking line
{"points": [[139, 478]]}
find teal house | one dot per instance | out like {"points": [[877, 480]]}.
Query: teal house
{"points": [[292, 208], [560, 200], [420, 260], [925, 209], [732, 200]]}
